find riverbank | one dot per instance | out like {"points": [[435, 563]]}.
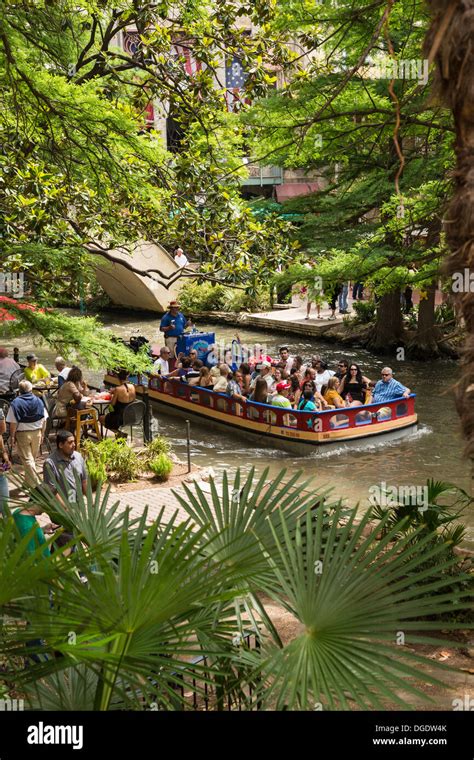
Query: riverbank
{"points": [[292, 321]]}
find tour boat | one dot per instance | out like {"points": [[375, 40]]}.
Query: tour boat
{"points": [[296, 431]]}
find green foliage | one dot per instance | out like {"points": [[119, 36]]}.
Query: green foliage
{"points": [[159, 445], [161, 466], [113, 459], [159, 595], [201, 297], [76, 338], [444, 313], [196, 297], [437, 524], [364, 312]]}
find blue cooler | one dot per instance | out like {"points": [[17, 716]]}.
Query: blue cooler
{"points": [[200, 342]]}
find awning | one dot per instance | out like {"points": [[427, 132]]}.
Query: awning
{"points": [[294, 189]]}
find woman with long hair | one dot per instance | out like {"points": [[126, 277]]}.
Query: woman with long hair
{"points": [[331, 394], [354, 386]]}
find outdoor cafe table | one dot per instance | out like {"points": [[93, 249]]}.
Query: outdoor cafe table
{"points": [[100, 404]]}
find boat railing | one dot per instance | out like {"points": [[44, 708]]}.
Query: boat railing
{"points": [[273, 416]]}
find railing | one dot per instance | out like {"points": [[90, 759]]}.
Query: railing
{"points": [[263, 174], [319, 422]]}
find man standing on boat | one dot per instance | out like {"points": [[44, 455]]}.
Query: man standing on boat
{"points": [[388, 388], [286, 361], [173, 324]]}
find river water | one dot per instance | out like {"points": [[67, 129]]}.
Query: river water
{"points": [[435, 451]]}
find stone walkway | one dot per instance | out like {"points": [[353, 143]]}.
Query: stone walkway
{"points": [[155, 499]]}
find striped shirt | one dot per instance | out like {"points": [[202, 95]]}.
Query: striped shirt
{"points": [[387, 391]]}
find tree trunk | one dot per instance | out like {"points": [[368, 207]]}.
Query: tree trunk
{"points": [[424, 345], [387, 333], [449, 44]]}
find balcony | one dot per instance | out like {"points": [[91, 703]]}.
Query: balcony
{"points": [[263, 175]]}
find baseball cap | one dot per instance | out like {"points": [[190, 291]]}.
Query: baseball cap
{"points": [[265, 364], [29, 357], [283, 386], [173, 305]]}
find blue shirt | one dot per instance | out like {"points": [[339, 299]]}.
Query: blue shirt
{"points": [[388, 391], [178, 329]]}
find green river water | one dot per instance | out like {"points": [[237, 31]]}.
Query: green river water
{"points": [[434, 451]]}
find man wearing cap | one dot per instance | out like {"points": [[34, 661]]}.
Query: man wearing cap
{"points": [[34, 371], [266, 373], [173, 324], [281, 398]]}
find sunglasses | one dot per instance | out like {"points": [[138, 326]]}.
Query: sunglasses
{"points": [[385, 374]]}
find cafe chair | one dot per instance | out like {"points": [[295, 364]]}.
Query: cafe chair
{"points": [[133, 415], [85, 418]]}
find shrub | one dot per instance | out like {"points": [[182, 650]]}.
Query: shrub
{"points": [[158, 445], [201, 297], [161, 466], [111, 458], [241, 300], [365, 311]]}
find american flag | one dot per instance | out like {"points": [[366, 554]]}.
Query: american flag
{"points": [[235, 78], [191, 64]]}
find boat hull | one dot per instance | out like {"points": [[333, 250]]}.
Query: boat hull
{"points": [[278, 435]]}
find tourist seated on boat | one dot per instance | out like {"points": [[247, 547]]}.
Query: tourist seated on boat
{"points": [[35, 372], [279, 376], [299, 366], [295, 390], [260, 392], [306, 403], [214, 375], [354, 386], [309, 376], [341, 369], [331, 394], [282, 394], [323, 374], [388, 388], [193, 374], [162, 365], [205, 379], [285, 361], [123, 395], [235, 386], [220, 386], [63, 370], [73, 394], [315, 361], [259, 356], [183, 369], [246, 377], [265, 369], [318, 399]]}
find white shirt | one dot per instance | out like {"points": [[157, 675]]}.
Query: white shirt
{"points": [[322, 378], [64, 373], [7, 367], [26, 425], [181, 260], [162, 366]]}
